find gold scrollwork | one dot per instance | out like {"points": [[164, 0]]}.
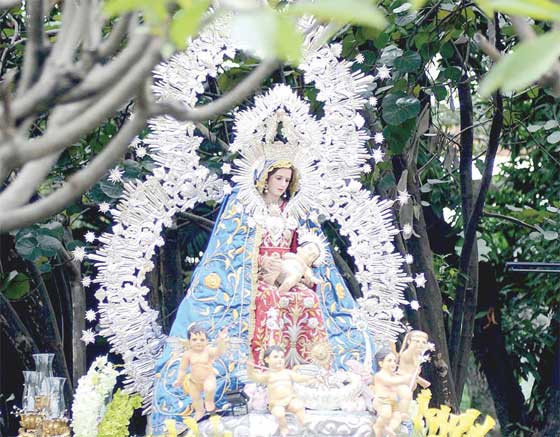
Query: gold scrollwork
{"points": [[212, 281]]}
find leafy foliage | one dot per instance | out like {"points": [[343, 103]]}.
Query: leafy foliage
{"points": [[116, 421]]}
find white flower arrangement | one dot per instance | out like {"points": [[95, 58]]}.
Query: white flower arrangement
{"points": [[92, 395]]}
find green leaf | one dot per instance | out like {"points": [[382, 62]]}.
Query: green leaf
{"points": [[154, 11], [417, 4], [267, 33], [447, 50], [16, 287], [399, 107], [48, 245], [553, 138], [398, 136], [117, 7], [53, 229], [27, 247], [112, 190], [289, 40], [186, 22], [440, 92], [409, 61], [359, 12], [452, 73], [388, 55], [527, 64], [538, 9]]}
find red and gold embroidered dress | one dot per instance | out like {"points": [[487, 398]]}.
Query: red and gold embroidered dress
{"points": [[291, 319]]}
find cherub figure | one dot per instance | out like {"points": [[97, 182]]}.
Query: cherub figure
{"points": [[385, 399], [279, 381], [296, 267], [202, 377], [410, 359]]}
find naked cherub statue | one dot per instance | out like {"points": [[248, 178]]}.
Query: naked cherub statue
{"points": [[410, 359], [279, 381], [296, 267], [202, 378], [385, 398]]}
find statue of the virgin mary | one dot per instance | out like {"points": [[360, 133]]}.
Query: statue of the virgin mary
{"points": [[259, 222]]}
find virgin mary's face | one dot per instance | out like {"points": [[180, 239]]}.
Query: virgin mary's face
{"points": [[279, 181]]}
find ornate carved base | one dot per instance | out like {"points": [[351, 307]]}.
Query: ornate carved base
{"points": [[319, 424]]}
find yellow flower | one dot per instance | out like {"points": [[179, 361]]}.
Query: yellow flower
{"points": [[432, 420], [443, 417], [423, 400], [171, 431], [487, 425], [215, 425], [191, 423]]}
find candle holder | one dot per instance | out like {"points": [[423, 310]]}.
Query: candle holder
{"points": [[42, 403], [30, 424], [57, 427], [31, 381]]}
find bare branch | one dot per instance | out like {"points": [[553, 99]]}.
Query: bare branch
{"points": [[79, 182], [101, 77], [487, 47], [511, 219], [34, 46], [224, 103], [27, 181], [7, 4], [112, 43], [16, 153], [212, 137]]}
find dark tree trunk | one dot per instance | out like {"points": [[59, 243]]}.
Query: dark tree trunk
{"points": [[489, 347], [77, 298], [171, 276], [17, 333], [551, 381], [41, 322], [431, 316]]}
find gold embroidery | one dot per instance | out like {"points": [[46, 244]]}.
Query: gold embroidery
{"points": [[212, 281], [254, 279], [340, 291]]}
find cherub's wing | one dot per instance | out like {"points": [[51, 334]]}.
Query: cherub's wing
{"points": [[358, 368], [178, 345]]}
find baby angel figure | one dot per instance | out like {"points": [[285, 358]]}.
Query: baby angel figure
{"points": [[296, 267], [279, 382], [412, 355], [202, 377], [385, 398]]}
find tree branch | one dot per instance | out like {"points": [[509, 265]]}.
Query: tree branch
{"points": [[223, 104], [103, 76], [470, 239], [465, 173], [7, 4], [112, 43], [212, 137], [16, 153], [511, 219], [33, 48], [78, 314], [79, 182]]}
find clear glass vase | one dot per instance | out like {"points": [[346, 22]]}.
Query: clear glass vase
{"points": [[31, 383], [43, 365], [57, 405]]}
